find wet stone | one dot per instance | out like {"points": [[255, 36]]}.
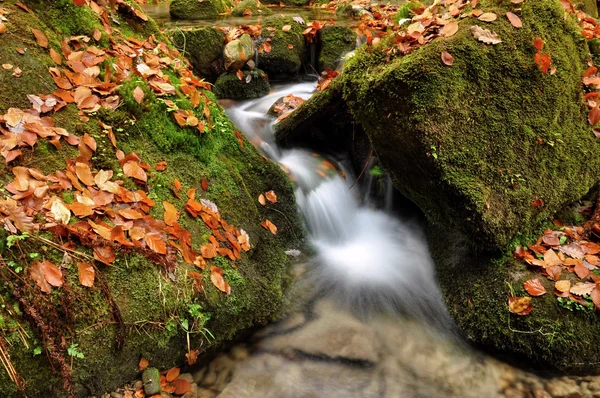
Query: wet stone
{"points": [[151, 379]]}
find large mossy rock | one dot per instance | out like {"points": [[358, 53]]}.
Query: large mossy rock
{"points": [[334, 42], [156, 306], [254, 84], [476, 143], [203, 47], [288, 49], [250, 8], [194, 9]]}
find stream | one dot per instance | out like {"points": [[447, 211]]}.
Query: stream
{"points": [[366, 318]]}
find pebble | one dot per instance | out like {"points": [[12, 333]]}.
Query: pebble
{"points": [[211, 376], [116, 395], [205, 393], [138, 384], [239, 353], [187, 377], [594, 385], [199, 375], [560, 388], [539, 393]]}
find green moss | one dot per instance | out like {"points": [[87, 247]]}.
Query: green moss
{"points": [[203, 47], [334, 42], [230, 86], [282, 62], [256, 8], [473, 128], [193, 9]]}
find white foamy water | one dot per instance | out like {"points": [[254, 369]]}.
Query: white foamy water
{"points": [[366, 258]]}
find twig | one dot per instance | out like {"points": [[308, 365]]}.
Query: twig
{"points": [[364, 168]]}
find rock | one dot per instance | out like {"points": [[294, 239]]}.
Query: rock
{"points": [[334, 42], [237, 52], [151, 380], [116, 395], [288, 49], [475, 139], [539, 393], [206, 393], [138, 384], [250, 7], [165, 395], [194, 9], [187, 377], [239, 352], [199, 375], [203, 47], [594, 385], [254, 84], [211, 377], [251, 65]]}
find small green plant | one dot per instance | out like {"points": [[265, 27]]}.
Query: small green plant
{"points": [[37, 351], [376, 171], [12, 240], [33, 256], [573, 305], [73, 351], [194, 310], [16, 267]]}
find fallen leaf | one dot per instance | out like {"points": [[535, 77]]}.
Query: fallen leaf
{"points": [[40, 38], [239, 74], [520, 305], [181, 386], [60, 211], [106, 254], [261, 199], [449, 29], [485, 36], [208, 250], [447, 58], [84, 173], [161, 166], [52, 274], [138, 95], [551, 258], [172, 374], [36, 271], [534, 287], [514, 20], [581, 271], [488, 17], [55, 57], [143, 364], [269, 226], [86, 274], [2, 28], [594, 116], [216, 277], [286, 28], [204, 184], [192, 357], [543, 61], [563, 285], [271, 196], [582, 289], [156, 242], [538, 43], [171, 215]]}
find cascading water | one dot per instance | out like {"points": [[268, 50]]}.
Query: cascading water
{"points": [[366, 258]]}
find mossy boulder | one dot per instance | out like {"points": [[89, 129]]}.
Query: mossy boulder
{"points": [[334, 42], [203, 47], [135, 301], [254, 84], [250, 8], [194, 9], [293, 3], [288, 48], [476, 143]]}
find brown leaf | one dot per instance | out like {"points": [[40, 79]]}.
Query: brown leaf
{"points": [[488, 17], [172, 374], [208, 250], [261, 199], [269, 226], [447, 58], [143, 364], [171, 215], [563, 285], [17, 215], [449, 29], [216, 277], [581, 271], [37, 274], [161, 166], [484, 35], [133, 169], [106, 254], [271, 196], [514, 20], [596, 298], [551, 258], [52, 274], [81, 209], [204, 184], [181, 386], [156, 242], [55, 57], [534, 287], [582, 289], [40, 38], [520, 305], [84, 173], [2, 28], [286, 28], [138, 95], [192, 357], [86, 274], [594, 116]]}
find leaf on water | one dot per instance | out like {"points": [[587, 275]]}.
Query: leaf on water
{"points": [[40, 38], [52, 274], [514, 20], [449, 29], [87, 274], [269, 226], [261, 199], [563, 286], [138, 95], [171, 215], [520, 305], [484, 35], [271, 196], [582, 289], [216, 277], [447, 58], [534, 287], [36, 272], [172, 374]]}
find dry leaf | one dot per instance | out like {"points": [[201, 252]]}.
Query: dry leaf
{"points": [[488, 17], [534, 287], [138, 95], [143, 364], [449, 29], [286, 28], [171, 215], [86, 274], [52, 274], [269, 226], [447, 58], [192, 357], [582, 289], [514, 20], [563, 286], [216, 277], [172, 374], [520, 305], [40, 38], [271, 196], [181, 386], [156, 242], [36, 272], [208, 250], [484, 35], [261, 199]]}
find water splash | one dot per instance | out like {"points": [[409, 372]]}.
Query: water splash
{"points": [[366, 258]]}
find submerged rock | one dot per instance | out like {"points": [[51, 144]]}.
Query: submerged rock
{"points": [[194, 9], [250, 7], [254, 84], [288, 49], [237, 52], [334, 42], [203, 47]]}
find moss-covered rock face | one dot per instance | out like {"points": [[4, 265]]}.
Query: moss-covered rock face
{"points": [[254, 84], [194, 9], [475, 143], [250, 7], [334, 42], [203, 47], [157, 308], [288, 49]]}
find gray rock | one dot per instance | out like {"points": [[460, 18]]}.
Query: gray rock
{"points": [[237, 52], [151, 379], [187, 377], [251, 64], [138, 384]]}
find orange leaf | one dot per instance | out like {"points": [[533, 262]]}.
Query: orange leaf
{"points": [[449, 29], [543, 61], [534, 287], [161, 166], [447, 58], [594, 116], [216, 277], [86, 274], [52, 274], [563, 286], [514, 20], [177, 184], [143, 364], [81, 210], [204, 184], [156, 242], [261, 199], [55, 57], [105, 254], [520, 305], [208, 250], [239, 74], [37, 274], [192, 357], [171, 215], [40, 38], [181, 386], [538, 43], [134, 170], [172, 374], [271, 196], [138, 95], [269, 226], [488, 17]]}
